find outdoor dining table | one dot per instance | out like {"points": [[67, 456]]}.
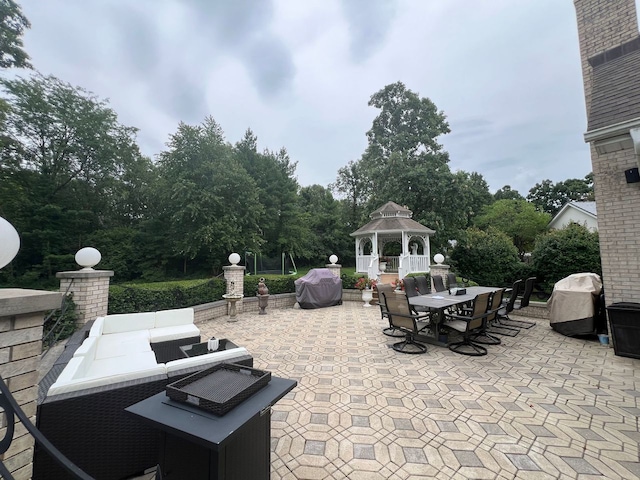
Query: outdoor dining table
{"points": [[438, 303]]}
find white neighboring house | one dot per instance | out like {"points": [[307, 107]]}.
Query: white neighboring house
{"points": [[583, 213]]}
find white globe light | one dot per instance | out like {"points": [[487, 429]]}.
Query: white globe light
{"points": [[10, 241], [333, 259], [88, 257], [234, 258], [438, 258]]}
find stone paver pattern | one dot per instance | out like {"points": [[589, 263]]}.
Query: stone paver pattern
{"points": [[538, 406]]}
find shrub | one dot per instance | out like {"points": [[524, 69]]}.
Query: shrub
{"points": [[164, 296], [486, 257], [349, 280], [275, 283], [560, 253], [60, 323]]}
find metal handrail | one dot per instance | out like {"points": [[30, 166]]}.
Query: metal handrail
{"points": [[12, 410]]}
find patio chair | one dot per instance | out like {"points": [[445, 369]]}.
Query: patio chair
{"points": [[467, 325], [484, 335], [411, 290], [452, 282], [524, 302], [403, 318], [390, 331], [11, 410], [438, 283], [423, 285], [502, 325]]}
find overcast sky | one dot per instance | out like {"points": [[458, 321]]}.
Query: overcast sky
{"points": [[300, 74]]}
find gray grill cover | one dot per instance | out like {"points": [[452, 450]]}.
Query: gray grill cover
{"points": [[572, 306], [318, 288]]}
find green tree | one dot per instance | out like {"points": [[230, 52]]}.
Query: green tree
{"points": [[66, 165], [282, 223], [506, 193], [486, 257], [13, 23], [405, 163], [208, 200], [518, 219], [354, 186], [550, 197], [330, 235], [560, 253]]}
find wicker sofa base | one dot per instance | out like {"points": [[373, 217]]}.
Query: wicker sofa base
{"points": [[92, 429]]}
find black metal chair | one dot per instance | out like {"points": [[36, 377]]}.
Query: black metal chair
{"points": [[524, 302], [502, 323], [11, 410], [390, 331], [422, 283], [468, 325], [411, 290], [484, 336], [452, 281], [403, 318], [438, 283]]}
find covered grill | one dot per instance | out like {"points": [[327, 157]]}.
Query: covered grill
{"points": [[318, 288], [575, 305]]}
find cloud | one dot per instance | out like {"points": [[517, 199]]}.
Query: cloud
{"points": [[300, 74], [369, 23], [243, 28]]}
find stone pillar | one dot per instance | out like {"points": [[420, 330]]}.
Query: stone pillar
{"points": [[439, 269], [335, 268], [22, 315], [234, 276], [90, 290]]}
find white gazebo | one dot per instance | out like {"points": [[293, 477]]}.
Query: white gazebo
{"points": [[390, 225]]}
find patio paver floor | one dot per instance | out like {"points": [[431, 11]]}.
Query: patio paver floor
{"points": [[539, 406]]}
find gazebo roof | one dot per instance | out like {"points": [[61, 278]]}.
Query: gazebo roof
{"points": [[392, 218]]}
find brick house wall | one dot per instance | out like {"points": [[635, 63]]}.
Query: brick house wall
{"points": [[604, 25]]}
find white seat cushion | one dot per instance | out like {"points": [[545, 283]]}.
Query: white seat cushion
{"points": [[170, 318], [224, 355], [82, 373], [165, 334], [119, 344], [104, 375], [106, 367], [128, 322]]}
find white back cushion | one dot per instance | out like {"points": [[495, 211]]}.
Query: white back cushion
{"points": [[221, 356], [96, 328], [173, 333], [128, 322], [170, 318], [88, 348]]}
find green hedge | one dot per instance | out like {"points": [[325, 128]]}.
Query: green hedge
{"points": [[150, 297], [164, 295]]}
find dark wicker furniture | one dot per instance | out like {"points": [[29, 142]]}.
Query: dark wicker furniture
{"points": [[91, 428]]}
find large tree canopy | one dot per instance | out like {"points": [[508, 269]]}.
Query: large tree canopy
{"points": [[12, 26], [549, 197], [208, 199], [405, 163], [518, 219], [67, 169], [282, 225]]}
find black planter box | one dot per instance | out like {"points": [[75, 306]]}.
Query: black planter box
{"points": [[624, 321]]}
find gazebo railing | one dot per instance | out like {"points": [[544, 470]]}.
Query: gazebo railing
{"points": [[418, 263]]}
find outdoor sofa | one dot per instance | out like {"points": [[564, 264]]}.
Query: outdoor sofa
{"points": [[115, 362]]}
